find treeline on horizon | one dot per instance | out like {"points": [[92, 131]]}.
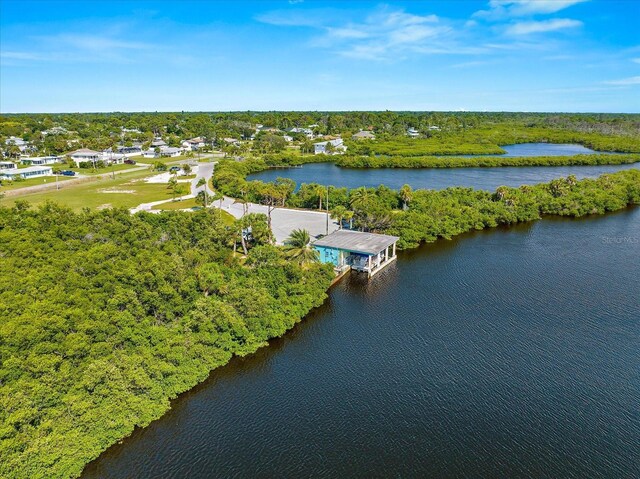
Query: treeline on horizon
{"points": [[115, 314], [484, 130]]}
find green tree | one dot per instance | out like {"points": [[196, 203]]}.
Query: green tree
{"points": [[298, 247], [406, 194]]}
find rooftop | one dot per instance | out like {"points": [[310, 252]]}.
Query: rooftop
{"points": [[84, 151], [357, 241]]}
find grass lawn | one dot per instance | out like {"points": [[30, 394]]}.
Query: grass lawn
{"points": [[14, 185], [103, 171], [127, 190]]}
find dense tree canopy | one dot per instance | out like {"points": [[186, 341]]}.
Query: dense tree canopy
{"points": [[106, 316]]}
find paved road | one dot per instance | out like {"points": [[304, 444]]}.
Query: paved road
{"points": [[283, 220]]}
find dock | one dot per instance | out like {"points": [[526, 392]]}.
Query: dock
{"points": [[367, 253]]}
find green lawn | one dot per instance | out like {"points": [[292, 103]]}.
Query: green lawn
{"points": [[128, 190], [103, 171], [14, 185]]}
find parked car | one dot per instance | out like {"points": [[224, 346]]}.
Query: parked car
{"points": [[130, 162], [68, 173], [174, 169]]}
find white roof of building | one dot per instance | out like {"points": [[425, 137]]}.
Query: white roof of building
{"points": [[357, 241], [84, 152], [29, 169], [364, 134], [333, 142]]}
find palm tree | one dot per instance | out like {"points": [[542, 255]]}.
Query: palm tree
{"points": [[359, 197], [338, 214], [203, 182], [406, 195], [298, 247], [320, 191]]}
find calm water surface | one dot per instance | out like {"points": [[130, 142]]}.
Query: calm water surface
{"points": [[440, 178], [504, 353]]}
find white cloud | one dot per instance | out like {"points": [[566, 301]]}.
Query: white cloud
{"points": [[635, 60], [500, 9], [526, 28], [382, 35], [625, 81]]}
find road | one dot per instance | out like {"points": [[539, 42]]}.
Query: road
{"points": [[283, 220]]}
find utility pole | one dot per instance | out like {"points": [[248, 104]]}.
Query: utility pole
{"points": [[327, 227]]}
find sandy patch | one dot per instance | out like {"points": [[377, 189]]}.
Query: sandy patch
{"points": [[116, 191]]}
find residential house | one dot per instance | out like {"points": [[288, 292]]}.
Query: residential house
{"points": [[56, 130], [231, 141], [110, 157], [413, 133], [164, 151], [28, 172], [170, 151], [7, 165], [364, 135], [305, 131], [338, 147], [24, 146], [42, 160], [84, 155], [158, 143], [193, 144], [134, 150]]}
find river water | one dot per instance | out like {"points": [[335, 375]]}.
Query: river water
{"points": [[440, 178], [511, 352]]}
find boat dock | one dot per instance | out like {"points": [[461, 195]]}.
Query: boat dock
{"points": [[368, 253]]}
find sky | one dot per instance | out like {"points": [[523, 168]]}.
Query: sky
{"points": [[493, 55]]}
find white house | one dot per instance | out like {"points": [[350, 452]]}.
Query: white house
{"points": [[56, 130], [128, 151], [149, 154], [287, 138], [306, 131], [42, 160], [109, 157], [7, 165], [413, 133], [321, 147], [29, 172], [231, 141], [170, 151], [194, 144], [85, 155], [158, 143], [435, 128], [364, 135], [23, 145]]}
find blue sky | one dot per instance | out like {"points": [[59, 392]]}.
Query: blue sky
{"points": [[516, 55]]}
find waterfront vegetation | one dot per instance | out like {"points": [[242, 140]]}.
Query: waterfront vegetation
{"points": [[116, 314], [425, 215], [480, 162]]}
